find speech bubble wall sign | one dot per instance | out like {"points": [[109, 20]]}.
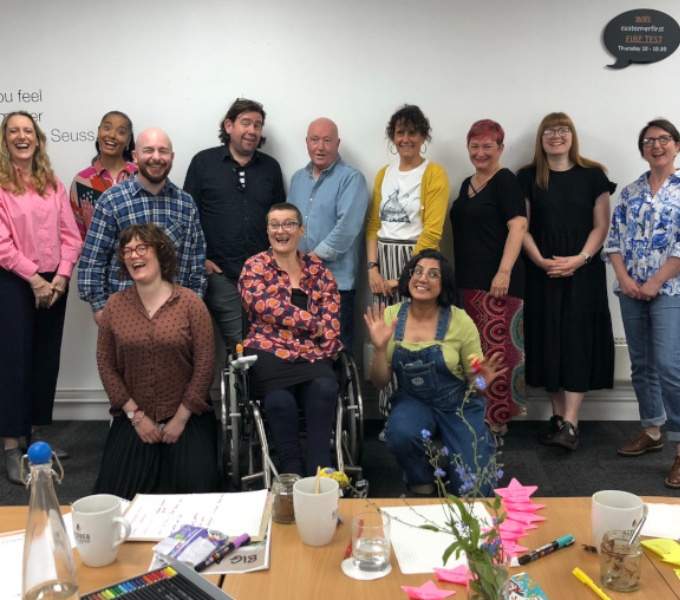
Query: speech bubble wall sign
{"points": [[641, 36]]}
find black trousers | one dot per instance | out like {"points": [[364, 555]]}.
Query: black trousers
{"points": [[30, 348]]}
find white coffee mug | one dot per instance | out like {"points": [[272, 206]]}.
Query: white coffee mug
{"points": [[316, 515], [99, 529], [613, 509]]}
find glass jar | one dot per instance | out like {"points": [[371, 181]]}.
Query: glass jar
{"points": [[620, 564], [282, 497]]}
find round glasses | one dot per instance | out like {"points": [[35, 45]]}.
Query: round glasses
{"points": [[287, 226], [140, 250], [561, 131], [431, 274], [664, 140]]}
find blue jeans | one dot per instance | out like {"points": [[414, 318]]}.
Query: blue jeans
{"points": [[653, 337], [410, 416]]}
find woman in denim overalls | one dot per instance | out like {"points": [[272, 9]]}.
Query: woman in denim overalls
{"points": [[426, 342]]}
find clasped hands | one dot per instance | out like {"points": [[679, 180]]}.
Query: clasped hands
{"points": [[47, 293], [562, 266], [151, 432]]}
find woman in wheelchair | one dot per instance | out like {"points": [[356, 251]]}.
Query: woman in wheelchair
{"points": [[428, 344], [293, 304]]}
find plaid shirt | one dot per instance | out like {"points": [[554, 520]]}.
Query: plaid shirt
{"points": [[127, 204]]}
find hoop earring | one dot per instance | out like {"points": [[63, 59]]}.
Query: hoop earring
{"points": [[423, 149], [393, 150]]}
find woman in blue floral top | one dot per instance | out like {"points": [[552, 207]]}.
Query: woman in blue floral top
{"points": [[293, 307], [644, 249]]}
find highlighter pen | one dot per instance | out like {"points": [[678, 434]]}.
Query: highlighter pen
{"points": [[564, 541], [583, 578], [220, 553]]}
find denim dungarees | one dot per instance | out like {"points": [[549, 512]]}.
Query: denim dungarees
{"points": [[427, 397]]}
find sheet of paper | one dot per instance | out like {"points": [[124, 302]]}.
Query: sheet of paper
{"points": [[663, 521], [156, 516], [420, 550], [11, 559]]}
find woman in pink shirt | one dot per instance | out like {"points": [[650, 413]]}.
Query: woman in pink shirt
{"points": [[39, 247]]}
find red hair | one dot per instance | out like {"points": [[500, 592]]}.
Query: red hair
{"points": [[486, 127]]}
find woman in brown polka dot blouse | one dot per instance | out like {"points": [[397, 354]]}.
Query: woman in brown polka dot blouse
{"points": [[155, 354]]}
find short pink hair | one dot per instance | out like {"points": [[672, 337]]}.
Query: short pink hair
{"points": [[486, 127]]}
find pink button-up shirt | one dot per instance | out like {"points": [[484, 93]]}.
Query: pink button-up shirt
{"points": [[38, 234]]}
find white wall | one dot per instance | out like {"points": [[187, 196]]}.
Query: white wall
{"points": [[179, 66]]}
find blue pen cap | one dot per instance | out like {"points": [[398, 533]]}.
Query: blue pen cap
{"points": [[40, 453], [565, 540]]}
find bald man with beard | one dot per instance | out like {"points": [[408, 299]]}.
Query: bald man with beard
{"points": [[148, 196]]}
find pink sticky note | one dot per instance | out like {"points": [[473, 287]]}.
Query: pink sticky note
{"points": [[522, 505], [427, 591], [516, 490], [455, 575], [524, 517], [513, 549]]}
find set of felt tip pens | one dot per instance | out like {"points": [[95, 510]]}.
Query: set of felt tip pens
{"points": [[161, 584]]}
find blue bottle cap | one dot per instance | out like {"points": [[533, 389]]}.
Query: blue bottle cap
{"points": [[39, 453]]}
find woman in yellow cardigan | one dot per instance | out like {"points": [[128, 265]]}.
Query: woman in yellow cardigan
{"points": [[410, 200]]}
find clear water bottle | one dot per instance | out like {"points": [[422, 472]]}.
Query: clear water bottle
{"points": [[49, 572]]}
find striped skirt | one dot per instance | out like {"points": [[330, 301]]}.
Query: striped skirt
{"points": [[500, 322], [392, 257], [129, 466]]}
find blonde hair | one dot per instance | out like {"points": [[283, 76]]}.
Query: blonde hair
{"points": [[552, 121], [42, 175]]}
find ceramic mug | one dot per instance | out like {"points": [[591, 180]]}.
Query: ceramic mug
{"points": [[316, 515], [99, 529], [613, 509]]}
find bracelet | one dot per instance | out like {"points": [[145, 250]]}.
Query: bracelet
{"points": [[135, 423]]}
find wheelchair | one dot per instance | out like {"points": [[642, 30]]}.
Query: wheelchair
{"points": [[245, 448]]}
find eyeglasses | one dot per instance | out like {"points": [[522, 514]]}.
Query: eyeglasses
{"points": [[241, 183], [432, 274], [140, 250], [561, 131], [286, 226], [664, 140]]}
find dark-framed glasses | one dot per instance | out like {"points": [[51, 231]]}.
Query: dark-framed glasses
{"points": [[664, 140], [241, 180], [561, 131], [286, 226], [139, 249], [431, 274]]}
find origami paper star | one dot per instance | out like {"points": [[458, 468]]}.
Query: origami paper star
{"points": [[427, 591], [521, 504], [516, 490], [455, 575]]}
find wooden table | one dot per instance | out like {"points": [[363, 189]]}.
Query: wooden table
{"points": [[301, 572]]}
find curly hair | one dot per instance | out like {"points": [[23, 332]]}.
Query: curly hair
{"points": [[241, 105], [42, 175], [151, 235], [661, 123], [551, 121], [127, 152], [447, 294], [410, 116]]}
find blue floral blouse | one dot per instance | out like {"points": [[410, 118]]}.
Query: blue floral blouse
{"points": [[645, 230]]}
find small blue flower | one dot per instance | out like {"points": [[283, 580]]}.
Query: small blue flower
{"points": [[480, 383], [439, 472], [500, 473], [425, 434], [445, 451]]}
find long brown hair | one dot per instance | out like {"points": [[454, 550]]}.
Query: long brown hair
{"points": [[552, 121], [42, 175]]}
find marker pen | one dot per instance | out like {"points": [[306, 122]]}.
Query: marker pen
{"points": [[562, 542]]}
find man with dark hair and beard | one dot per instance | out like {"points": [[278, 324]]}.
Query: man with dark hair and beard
{"points": [[148, 196]]}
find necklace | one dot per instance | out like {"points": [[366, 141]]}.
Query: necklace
{"points": [[475, 190]]}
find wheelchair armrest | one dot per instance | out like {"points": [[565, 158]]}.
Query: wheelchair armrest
{"points": [[243, 363]]}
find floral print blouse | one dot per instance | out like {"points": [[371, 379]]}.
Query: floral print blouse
{"points": [[645, 230], [276, 324]]}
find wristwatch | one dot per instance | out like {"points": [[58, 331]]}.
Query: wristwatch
{"points": [[586, 256], [371, 265], [131, 414]]}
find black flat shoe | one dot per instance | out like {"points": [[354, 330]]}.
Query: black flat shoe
{"points": [[554, 426], [13, 465], [567, 436]]}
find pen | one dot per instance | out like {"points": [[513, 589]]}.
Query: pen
{"points": [[583, 578], [348, 551], [566, 540], [220, 553]]}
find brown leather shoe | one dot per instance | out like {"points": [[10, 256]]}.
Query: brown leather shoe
{"points": [[641, 444], [673, 479]]}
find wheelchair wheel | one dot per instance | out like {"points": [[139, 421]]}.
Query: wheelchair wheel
{"points": [[231, 426], [353, 412]]}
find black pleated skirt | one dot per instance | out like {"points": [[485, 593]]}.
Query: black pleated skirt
{"points": [[129, 466]]}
